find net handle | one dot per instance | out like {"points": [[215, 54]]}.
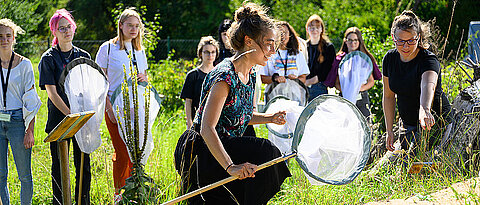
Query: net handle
{"points": [[229, 179]]}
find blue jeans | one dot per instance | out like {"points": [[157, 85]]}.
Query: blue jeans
{"points": [[14, 132], [316, 90]]}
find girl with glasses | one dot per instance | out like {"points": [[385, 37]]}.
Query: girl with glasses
{"points": [[111, 57], [17, 116], [320, 56], [207, 52], [219, 150], [412, 79], [51, 65], [353, 41]]}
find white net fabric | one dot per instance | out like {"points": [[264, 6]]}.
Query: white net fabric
{"points": [[290, 89], [153, 111], [332, 141], [86, 88], [282, 135], [354, 70]]}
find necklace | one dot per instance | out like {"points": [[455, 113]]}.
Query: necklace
{"points": [[69, 55]]}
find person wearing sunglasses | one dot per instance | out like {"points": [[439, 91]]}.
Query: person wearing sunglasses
{"points": [[226, 108], [353, 41], [207, 52], [51, 65], [412, 79]]}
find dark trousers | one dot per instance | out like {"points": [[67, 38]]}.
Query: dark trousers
{"points": [[56, 173], [364, 104]]}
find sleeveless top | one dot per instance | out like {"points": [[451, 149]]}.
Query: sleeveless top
{"points": [[238, 107]]}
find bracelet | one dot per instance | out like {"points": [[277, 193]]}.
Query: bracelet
{"points": [[226, 169], [274, 76]]}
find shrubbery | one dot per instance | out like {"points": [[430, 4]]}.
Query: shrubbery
{"points": [[167, 76]]}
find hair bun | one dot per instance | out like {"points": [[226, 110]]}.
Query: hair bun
{"points": [[409, 13], [248, 11]]}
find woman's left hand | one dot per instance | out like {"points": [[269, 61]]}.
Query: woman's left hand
{"points": [[28, 140], [141, 77], [426, 118], [279, 118]]}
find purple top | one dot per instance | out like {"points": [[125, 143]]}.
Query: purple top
{"points": [[332, 76]]}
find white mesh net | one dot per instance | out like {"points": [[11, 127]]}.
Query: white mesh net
{"points": [[152, 114], [354, 71], [86, 89]]}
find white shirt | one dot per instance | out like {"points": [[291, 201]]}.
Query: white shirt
{"points": [[296, 64], [20, 81], [116, 59]]}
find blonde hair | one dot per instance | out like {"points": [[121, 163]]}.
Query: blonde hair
{"points": [[137, 41], [9, 24], [207, 40], [323, 36]]}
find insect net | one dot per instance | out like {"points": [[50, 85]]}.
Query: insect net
{"points": [[86, 87], [282, 135], [332, 141], [155, 102], [354, 71], [292, 89]]}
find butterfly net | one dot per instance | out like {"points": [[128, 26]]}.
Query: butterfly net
{"points": [[86, 87], [332, 141]]}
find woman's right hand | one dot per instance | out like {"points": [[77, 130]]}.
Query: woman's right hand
{"points": [[242, 171], [390, 140]]}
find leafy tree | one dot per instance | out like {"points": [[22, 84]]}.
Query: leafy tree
{"points": [[25, 15]]}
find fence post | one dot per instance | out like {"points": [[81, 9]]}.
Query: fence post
{"points": [[168, 44]]}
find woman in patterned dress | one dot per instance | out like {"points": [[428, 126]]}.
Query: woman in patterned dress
{"points": [[225, 110]]}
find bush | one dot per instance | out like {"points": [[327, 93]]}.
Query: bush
{"points": [[167, 76]]}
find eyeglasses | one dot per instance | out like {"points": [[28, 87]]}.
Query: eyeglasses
{"points": [[64, 29], [209, 53], [412, 41], [348, 40], [313, 28]]}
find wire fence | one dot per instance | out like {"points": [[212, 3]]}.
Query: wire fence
{"points": [[182, 48]]}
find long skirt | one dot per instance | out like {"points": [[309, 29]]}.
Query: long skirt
{"points": [[199, 168]]}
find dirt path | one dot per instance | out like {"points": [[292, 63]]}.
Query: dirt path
{"points": [[467, 192]]}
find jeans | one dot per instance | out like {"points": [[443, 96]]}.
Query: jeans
{"points": [[14, 132], [316, 90]]}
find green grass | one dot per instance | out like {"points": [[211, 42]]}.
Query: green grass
{"points": [[388, 183]]}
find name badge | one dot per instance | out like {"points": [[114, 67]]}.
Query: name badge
{"points": [[4, 117]]}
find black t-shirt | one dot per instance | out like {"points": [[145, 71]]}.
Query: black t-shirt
{"points": [[51, 65], [192, 88], [404, 80], [316, 68]]}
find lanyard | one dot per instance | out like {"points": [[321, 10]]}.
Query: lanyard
{"points": [[5, 82], [284, 63], [134, 61]]}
